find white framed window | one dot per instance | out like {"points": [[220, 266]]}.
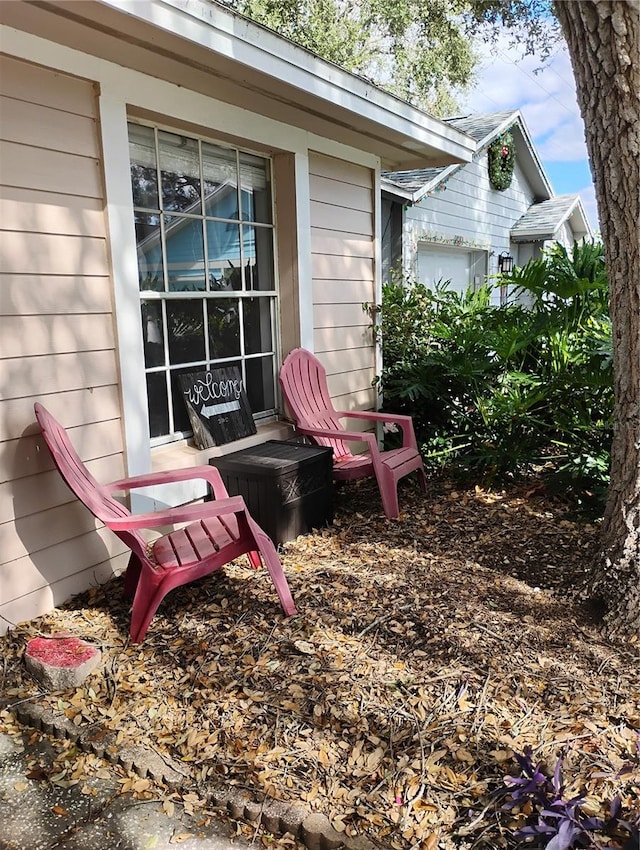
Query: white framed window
{"points": [[206, 271]]}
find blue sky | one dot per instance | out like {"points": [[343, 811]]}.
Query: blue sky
{"points": [[545, 94]]}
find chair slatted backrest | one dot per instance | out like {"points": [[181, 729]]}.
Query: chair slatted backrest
{"points": [[304, 385], [80, 481]]}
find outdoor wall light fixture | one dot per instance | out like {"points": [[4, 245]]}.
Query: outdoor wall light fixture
{"points": [[505, 263]]}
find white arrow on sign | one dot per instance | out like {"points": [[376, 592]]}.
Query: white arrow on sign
{"points": [[216, 409]]}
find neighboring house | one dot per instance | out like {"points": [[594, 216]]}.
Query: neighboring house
{"points": [[449, 223], [180, 188]]}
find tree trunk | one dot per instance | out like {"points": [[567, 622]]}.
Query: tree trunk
{"points": [[603, 37]]}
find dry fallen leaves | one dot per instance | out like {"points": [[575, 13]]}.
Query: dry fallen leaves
{"points": [[427, 650]]}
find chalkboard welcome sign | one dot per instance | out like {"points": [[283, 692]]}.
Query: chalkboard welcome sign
{"points": [[218, 406]]}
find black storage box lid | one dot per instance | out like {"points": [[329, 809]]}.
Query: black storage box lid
{"points": [[273, 458]]}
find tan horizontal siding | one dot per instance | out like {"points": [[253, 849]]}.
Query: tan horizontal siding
{"points": [[337, 339], [47, 597], [22, 294], [336, 292], [98, 546], [33, 84], [57, 373], [340, 244], [57, 338], [44, 127], [356, 399], [348, 359], [29, 336], [339, 315], [332, 267], [37, 532], [354, 380], [325, 216], [339, 169], [342, 194], [29, 455], [46, 212], [49, 171], [52, 253], [25, 496], [76, 407]]}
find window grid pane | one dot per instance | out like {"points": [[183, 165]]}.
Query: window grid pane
{"points": [[204, 232]]}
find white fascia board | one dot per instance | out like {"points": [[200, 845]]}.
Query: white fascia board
{"points": [[578, 212], [535, 159], [415, 196], [391, 188], [304, 75], [428, 187]]}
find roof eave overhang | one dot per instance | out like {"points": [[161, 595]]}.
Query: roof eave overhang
{"points": [[393, 189], [532, 236], [211, 49]]}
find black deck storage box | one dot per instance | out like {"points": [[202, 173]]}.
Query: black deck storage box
{"points": [[287, 485]]}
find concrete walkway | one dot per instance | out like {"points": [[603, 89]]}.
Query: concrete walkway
{"points": [[38, 815]]}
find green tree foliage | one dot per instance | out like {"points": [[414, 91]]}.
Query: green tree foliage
{"points": [[419, 50], [502, 390], [416, 50]]}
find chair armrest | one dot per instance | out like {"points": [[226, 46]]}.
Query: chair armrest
{"points": [[405, 422], [183, 513], [169, 476], [338, 434]]}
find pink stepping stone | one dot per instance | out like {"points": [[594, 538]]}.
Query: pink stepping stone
{"points": [[61, 661]]}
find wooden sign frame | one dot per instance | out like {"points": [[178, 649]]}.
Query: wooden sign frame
{"points": [[217, 405]]}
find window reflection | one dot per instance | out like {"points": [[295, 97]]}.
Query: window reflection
{"points": [[148, 238], [144, 169], [257, 325], [157, 401], [223, 256], [224, 327], [256, 189], [152, 333], [257, 243], [179, 172], [185, 323], [185, 253]]}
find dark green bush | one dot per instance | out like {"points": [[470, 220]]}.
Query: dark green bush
{"points": [[505, 390]]}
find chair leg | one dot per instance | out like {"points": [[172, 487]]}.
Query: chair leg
{"points": [[388, 487], [149, 595], [422, 479], [254, 560], [132, 576], [273, 565]]}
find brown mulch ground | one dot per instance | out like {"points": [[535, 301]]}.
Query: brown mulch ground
{"points": [[427, 650]]}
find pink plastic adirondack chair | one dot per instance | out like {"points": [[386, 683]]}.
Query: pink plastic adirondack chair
{"points": [[304, 385], [219, 530]]}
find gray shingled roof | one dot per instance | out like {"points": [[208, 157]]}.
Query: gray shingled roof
{"points": [[479, 127], [541, 221]]}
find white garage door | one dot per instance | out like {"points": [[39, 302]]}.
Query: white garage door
{"points": [[463, 267]]}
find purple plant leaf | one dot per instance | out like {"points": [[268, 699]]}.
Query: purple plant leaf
{"points": [[537, 829], [563, 839], [557, 777], [615, 808]]}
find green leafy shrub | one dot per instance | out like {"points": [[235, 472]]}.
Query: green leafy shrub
{"points": [[501, 390]]}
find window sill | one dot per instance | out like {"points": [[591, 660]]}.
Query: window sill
{"points": [[182, 455]]}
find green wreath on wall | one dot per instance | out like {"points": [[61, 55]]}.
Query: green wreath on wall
{"points": [[502, 156]]}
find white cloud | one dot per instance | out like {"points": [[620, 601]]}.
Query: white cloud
{"points": [[545, 94], [506, 80]]}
